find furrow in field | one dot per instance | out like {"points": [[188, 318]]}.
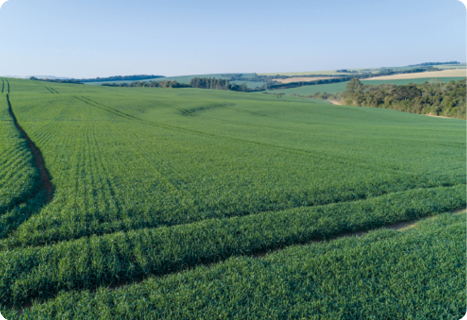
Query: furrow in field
{"points": [[105, 202], [108, 109], [138, 223], [38, 160], [72, 229], [30, 203], [112, 226], [322, 156], [53, 90], [108, 198], [48, 89], [131, 256]]}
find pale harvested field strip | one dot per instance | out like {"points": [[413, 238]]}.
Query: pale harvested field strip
{"points": [[302, 79], [451, 73]]}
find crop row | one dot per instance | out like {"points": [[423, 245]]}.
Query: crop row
{"points": [[87, 263], [417, 273], [115, 173]]}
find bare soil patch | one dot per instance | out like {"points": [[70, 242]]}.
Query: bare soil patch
{"points": [[433, 115], [337, 103]]}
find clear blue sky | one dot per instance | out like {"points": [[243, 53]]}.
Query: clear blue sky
{"points": [[89, 38]]}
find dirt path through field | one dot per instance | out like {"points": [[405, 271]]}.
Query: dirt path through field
{"points": [[38, 160], [335, 103], [432, 115]]}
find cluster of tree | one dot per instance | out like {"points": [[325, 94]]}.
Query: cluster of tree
{"points": [[210, 83], [435, 98], [347, 71], [317, 95], [280, 94], [152, 84], [57, 80], [218, 84]]}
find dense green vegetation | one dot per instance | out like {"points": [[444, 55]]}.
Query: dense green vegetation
{"points": [[152, 84], [18, 176], [418, 273], [425, 64], [151, 181], [436, 98], [20, 187], [328, 89], [180, 79], [110, 259]]}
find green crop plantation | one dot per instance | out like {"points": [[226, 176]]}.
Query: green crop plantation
{"points": [[152, 203]]}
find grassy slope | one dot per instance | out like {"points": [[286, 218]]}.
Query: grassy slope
{"points": [[179, 161]]}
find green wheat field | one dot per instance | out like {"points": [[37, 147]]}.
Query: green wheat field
{"points": [[211, 204]]}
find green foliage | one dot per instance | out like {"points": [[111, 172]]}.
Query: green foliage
{"points": [[152, 84], [19, 180], [434, 98], [210, 83], [150, 182], [110, 259], [418, 273]]}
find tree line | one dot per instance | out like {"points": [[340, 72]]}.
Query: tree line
{"points": [[435, 98], [433, 63], [57, 80], [152, 84], [121, 78], [217, 84]]}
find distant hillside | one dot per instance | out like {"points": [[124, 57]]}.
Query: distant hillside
{"points": [[121, 78], [433, 64]]}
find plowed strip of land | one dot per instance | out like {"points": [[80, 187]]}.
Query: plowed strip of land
{"points": [[435, 74]]}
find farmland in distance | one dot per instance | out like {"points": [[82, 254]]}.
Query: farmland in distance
{"points": [[151, 181], [341, 86]]}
